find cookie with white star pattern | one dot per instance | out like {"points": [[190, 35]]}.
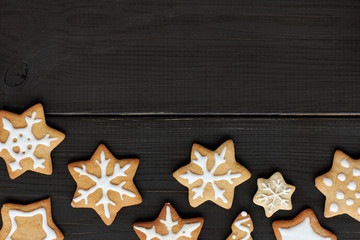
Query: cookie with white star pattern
{"points": [[26, 141], [105, 184]]}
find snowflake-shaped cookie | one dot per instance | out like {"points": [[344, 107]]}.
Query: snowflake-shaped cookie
{"points": [[26, 141], [212, 175], [242, 227], [341, 186], [274, 194], [169, 226], [105, 184]]}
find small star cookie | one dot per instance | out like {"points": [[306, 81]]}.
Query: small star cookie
{"points": [[26, 141], [169, 226], [31, 222], [105, 184], [273, 194], [304, 226], [241, 227], [341, 186], [212, 175]]}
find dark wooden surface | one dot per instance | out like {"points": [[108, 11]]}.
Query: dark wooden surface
{"points": [[149, 78]]}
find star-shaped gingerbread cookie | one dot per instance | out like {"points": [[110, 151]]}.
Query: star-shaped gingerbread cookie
{"points": [[242, 227], [273, 194], [304, 226], [26, 141], [168, 226], [212, 175], [105, 184], [341, 186], [31, 222]]}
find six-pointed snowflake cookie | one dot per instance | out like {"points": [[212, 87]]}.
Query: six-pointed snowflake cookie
{"points": [[32, 221], [242, 227], [273, 194], [304, 226], [105, 184], [26, 141], [341, 186], [169, 226], [212, 175]]}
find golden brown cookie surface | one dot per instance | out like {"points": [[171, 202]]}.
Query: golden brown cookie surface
{"points": [[105, 184], [26, 141], [212, 175], [169, 226], [242, 227], [32, 221]]}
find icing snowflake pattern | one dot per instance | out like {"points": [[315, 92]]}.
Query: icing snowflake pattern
{"points": [[208, 175], [22, 143], [104, 183]]}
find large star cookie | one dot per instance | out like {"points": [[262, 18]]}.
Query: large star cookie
{"points": [[212, 175], [341, 186], [26, 141], [273, 194], [304, 226], [31, 222], [169, 226], [242, 227], [105, 184]]}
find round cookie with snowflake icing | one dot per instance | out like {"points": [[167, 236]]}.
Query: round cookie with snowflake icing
{"points": [[341, 186], [26, 141]]}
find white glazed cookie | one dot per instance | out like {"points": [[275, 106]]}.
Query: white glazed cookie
{"points": [[341, 186], [32, 221], [242, 227], [169, 226], [105, 184], [26, 141], [212, 175]]}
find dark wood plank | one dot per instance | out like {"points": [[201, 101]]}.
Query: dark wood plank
{"points": [[301, 148], [181, 56]]}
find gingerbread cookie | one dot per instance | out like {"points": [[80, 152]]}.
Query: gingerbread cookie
{"points": [[169, 226], [31, 222], [241, 227], [105, 184], [304, 226], [341, 186], [273, 194], [212, 175], [26, 141]]}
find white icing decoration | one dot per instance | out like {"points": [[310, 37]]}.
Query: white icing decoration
{"points": [[341, 177], [349, 202], [209, 177], [238, 224], [334, 207], [357, 195], [185, 230], [50, 233], [359, 210], [352, 185], [339, 195], [24, 142], [327, 181], [345, 163], [104, 183], [301, 231], [356, 172], [244, 214]]}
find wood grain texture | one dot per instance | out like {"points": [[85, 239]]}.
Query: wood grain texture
{"points": [[181, 56], [300, 148]]}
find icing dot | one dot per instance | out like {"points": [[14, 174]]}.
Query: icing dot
{"points": [[327, 181], [243, 213], [334, 207], [339, 195], [356, 172], [345, 163], [349, 202], [341, 177], [351, 185], [357, 195], [233, 236]]}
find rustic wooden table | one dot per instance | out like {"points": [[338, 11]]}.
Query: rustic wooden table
{"points": [[150, 77]]}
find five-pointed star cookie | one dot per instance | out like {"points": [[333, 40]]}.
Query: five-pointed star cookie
{"points": [[341, 186], [31, 222], [273, 194], [169, 226], [26, 141], [304, 226], [212, 175], [105, 184]]}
